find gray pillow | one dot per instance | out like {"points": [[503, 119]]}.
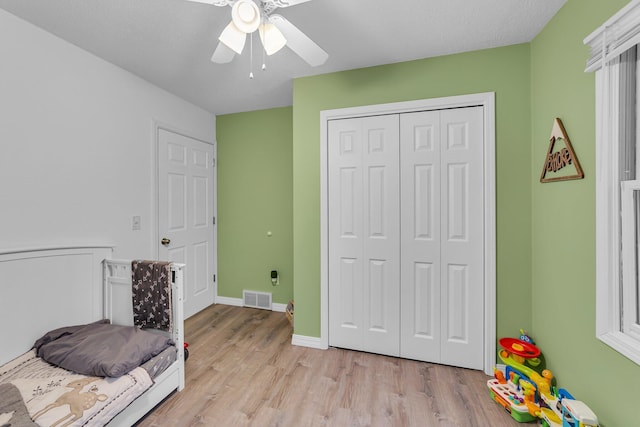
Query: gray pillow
{"points": [[100, 349]]}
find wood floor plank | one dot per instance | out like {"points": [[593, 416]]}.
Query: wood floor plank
{"points": [[243, 371]]}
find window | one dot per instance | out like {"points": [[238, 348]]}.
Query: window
{"points": [[614, 59], [629, 182]]}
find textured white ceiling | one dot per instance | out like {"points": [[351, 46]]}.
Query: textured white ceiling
{"points": [[170, 42]]}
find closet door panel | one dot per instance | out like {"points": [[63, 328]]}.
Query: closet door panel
{"points": [[345, 235], [420, 242], [382, 240], [462, 248]]}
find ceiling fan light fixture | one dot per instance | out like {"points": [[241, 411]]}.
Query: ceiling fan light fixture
{"points": [[233, 38], [272, 38], [245, 14]]}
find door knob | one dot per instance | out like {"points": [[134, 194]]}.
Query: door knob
{"points": [[165, 241]]}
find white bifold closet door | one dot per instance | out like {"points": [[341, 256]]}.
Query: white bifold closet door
{"points": [[406, 214]]}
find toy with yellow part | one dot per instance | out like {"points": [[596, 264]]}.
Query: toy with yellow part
{"points": [[526, 390], [577, 414], [551, 409], [521, 355], [507, 390]]}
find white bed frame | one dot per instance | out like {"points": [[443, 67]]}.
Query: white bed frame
{"points": [[46, 288], [117, 289]]}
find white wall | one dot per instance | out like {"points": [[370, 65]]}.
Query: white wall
{"points": [[76, 144]]}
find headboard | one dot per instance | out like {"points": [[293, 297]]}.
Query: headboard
{"points": [[46, 288]]}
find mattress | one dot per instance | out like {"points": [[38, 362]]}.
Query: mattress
{"points": [[159, 363], [54, 395]]}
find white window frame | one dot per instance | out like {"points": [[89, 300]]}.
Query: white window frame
{"points": [[614, 37], [630, 192]]}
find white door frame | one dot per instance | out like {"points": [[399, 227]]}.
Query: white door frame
{"points": [[486, 100], [156, 127]]}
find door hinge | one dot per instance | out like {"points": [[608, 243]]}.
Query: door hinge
{"points": [[214, 278], [213, 162], [214, 220]]}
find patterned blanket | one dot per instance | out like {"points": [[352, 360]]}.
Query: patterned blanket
{"points": [[59, 398], [151, 292]]}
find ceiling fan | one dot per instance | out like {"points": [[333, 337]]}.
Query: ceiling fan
{"points": [[275, 31]]}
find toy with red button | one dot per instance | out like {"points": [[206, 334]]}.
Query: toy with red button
{"points": [[524, 388]]}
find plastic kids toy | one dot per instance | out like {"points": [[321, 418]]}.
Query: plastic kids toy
{"points": [[524, 389], [577, 414]]}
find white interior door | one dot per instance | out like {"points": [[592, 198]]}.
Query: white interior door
{"points": [[364, 236], [442, 236], [186, 214]]}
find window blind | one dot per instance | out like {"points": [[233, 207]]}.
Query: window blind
{"points": [[611, 39]]}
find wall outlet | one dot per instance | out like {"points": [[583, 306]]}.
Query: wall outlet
{"points": [[135, 223]]}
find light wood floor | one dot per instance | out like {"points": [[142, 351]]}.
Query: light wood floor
{"points": [[243, 371]]}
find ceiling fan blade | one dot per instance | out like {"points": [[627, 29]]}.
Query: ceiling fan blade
{"points": [[298, 42], [222, 54], [214, 2], [286, 3]]}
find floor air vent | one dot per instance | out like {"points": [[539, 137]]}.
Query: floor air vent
{"points": [[256, 299]]}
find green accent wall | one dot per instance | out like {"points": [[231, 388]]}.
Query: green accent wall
{"points": [[563, 221], [504, 71], [255, 197]]}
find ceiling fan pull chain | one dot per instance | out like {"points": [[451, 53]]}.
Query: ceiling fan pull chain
{"points": [[263, 38], [251, 56], [264, 54]]}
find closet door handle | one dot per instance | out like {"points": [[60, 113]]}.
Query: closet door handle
{"points": [[165, 241]]}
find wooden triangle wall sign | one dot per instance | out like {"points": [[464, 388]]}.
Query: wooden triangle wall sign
{"points": [[560, 159]]}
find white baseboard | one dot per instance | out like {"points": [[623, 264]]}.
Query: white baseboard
{"points": [[311, 342], [276, 306], [237, 302]]}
